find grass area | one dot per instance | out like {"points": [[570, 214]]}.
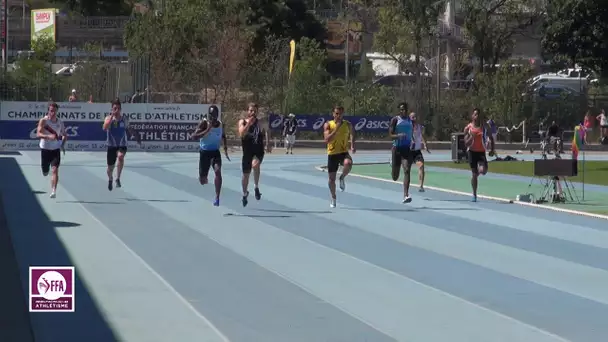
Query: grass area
{"points": [[596, 172]]}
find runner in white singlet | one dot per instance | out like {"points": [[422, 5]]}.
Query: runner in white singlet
{"points": [[51, 132], [419, 143]]}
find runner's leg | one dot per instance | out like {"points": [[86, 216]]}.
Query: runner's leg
{"points": [[45, 162], [217, 168], [122, 152], [111, 156], [421, 174], [204, 163], [333, 163], [55, 162], [347, 165], [395, 164], [473, 163], [406, 161], [246, 165], [256, 165]]}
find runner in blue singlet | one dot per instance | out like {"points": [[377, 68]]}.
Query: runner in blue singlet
{"points": [[401, 131], [211, 133], [117, 127]]}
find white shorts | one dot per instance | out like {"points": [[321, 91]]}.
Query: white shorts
{"points": [[290, 139]]}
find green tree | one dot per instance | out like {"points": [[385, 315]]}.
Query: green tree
{"points": [[406, 28], [309, 91], [500, 93], [491, 26], [189, 42], [96, 7], [283, 19], [577, 30], [266, 73]]}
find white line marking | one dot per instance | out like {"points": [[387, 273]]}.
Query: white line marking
{"points": [[447, 294], [162, 280], [498, 199]]}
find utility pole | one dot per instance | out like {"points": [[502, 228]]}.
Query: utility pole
{"points": [[346, 52], [4, 33]]}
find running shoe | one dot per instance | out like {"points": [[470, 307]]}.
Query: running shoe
{"points": [[258, 194], [474, 199], [421, 189], [342, 183], [407, 199], [332, 203], [244, 200], [216, 203], [53, 194], [110, 185], [118, 185]]}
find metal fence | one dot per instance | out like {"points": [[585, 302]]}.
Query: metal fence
{"points": [[149, 79]]}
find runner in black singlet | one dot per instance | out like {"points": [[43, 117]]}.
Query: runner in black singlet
{"points": [[255, 140]]}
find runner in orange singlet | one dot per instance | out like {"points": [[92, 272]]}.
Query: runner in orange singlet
{"points": [[475, 139]]}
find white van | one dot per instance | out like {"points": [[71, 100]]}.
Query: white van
{"points": [[579, 84]]}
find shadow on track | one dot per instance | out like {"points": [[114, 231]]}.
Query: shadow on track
{"points": [[36, 243]]}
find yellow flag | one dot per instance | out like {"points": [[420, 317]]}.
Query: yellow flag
{"points": [[292, 56]]}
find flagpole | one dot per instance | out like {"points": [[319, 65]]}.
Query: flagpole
{"points": [[583, 175]]}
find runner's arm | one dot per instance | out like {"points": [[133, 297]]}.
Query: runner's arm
{"points": [[423, 138], [492, 142], [40, 130], [107, 122], [266, 128], [242, 129], [328, 135], [391, 129], [63, 134], [352, 135], [224, 139], [201, 130]]}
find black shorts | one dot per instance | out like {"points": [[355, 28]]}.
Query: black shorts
{"points": [[207, 159], [250, 152], [476, 158], [334, 161], [417, 156], [49, 158], [112, 154], [400, 154]]}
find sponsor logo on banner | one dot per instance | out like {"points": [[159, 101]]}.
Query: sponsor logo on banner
{"points": [[52, 289], [372, 124], [277, 122], [318, 124], [70, 132], [162, 127], [311, 122]]}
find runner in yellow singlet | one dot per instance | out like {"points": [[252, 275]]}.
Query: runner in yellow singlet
{"points": [[339, 135]]}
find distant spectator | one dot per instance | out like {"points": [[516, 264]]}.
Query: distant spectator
{"points": [[137, 97], [603, 123], [73, 97], [90, 98]]}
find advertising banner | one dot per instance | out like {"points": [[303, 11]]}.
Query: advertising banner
{"points": [[161, 127], [314, 122], [43, 23]]}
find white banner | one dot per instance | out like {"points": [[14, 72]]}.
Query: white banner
{"points": [[81, 111]]}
